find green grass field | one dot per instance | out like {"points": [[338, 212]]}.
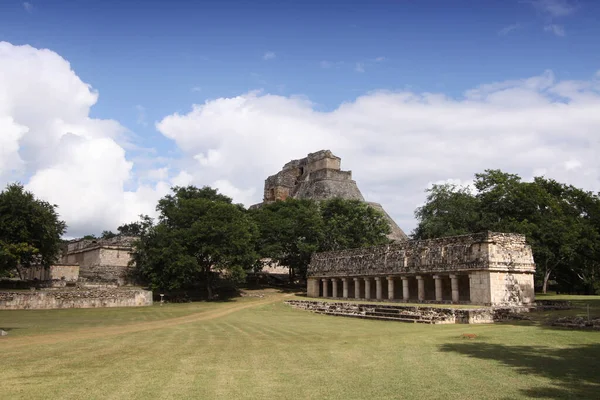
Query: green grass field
{"points": [[260, 348]]}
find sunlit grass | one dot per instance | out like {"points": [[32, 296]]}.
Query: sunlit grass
{"points": [[271, 351]]}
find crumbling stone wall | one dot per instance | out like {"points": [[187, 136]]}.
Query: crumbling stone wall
{"points": [[75, 298], [457, 253], [64, 272]]}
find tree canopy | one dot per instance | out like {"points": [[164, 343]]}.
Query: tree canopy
{"points": [[561, 222], [291, 230], [199, 232], [30, 231]]}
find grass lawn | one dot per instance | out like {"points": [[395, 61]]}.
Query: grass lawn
{"points": [[260, 348]]}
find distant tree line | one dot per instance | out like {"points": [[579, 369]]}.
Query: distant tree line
{"points": [[561, 222], [201, 236]]}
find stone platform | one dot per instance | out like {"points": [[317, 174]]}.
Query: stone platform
{"points": [[74, 298], [405, 313]]}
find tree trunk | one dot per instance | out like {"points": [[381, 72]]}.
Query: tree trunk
{"points": [[209, 288], [546, 279]]}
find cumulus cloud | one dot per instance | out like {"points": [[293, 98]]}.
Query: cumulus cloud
{"points": [[555, 8], [398, 143], [49, 142], [269, 55], [558, 30]]}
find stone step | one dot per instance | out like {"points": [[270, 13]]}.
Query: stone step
{"points": [[382, 318]]}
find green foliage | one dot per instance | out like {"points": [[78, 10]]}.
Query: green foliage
{"points": [[199, 232], [131, 229], [561, 222], [108, 235], [292, 230], [30, 230], [350, 224]]}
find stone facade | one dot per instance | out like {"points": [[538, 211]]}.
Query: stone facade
{"points": [[486, 268], [102, 261], [319, 177], [56, 276], [75, 298]]}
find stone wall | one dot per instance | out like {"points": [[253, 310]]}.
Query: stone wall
{"points": [[61, 272], [481, 251], [76, 298]]}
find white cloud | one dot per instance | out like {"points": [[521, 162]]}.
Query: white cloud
{"points": [[196, 89], [379, 59], [326, 64], [49, 142], [555, 8], [558, 30], [397, 143], [360, 67], [508, 29], [28, 6], [269, 55], [141, 115]]}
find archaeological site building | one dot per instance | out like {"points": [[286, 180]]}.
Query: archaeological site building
{"points": [[484, 268], [319, 177]]}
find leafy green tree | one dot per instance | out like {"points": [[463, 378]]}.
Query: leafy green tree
{"points": [[350, 224], [30, 231], [561, 222], [449, 210], [290, 232], [131, 229], [107, 235], [199, 233]]}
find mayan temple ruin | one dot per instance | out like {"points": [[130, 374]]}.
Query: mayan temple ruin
{"points": [[319, 177], [484, 268]]}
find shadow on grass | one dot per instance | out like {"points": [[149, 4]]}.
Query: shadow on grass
{"points": [[573, 371]]}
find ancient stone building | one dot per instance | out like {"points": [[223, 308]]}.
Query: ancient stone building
{"points": [[101, 261], [484, 268], [319, 177]]}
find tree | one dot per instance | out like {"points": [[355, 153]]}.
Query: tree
{"points": [[30, 231], [199, 233], [350, 224], [290, 232], [108, 235], [449, 210], [131, 229], [561, 222]]}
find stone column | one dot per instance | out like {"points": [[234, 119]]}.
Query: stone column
{"points": [[345, 288], [421, 285], [390, 280], [357, 288], [454, 284], [325, 287], [367, 288], [438, 287], [378, 288], [334, 284], [312, 287], [405, 293]]}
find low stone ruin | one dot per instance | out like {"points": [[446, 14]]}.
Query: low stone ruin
{"points": [[414, 314]]}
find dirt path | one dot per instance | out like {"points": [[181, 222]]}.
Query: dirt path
{"points": [[91, 333]]}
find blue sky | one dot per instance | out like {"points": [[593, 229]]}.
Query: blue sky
{"points": [[148, 60]]}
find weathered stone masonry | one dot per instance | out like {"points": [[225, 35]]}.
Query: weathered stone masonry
{"points": [[319, 177], [485, 268]]}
